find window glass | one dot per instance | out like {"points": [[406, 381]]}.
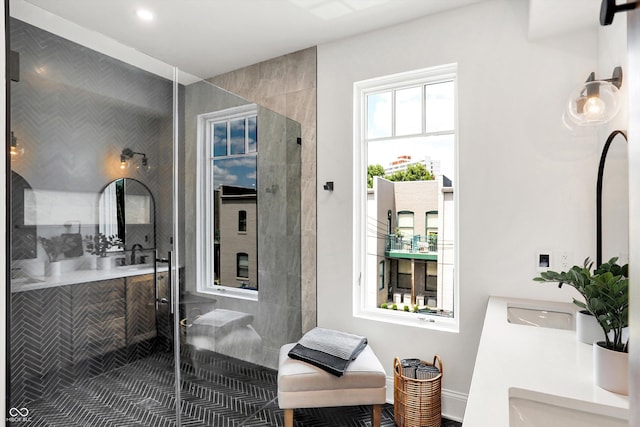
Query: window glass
{"points": [[220, 139], [432, 220], [379, 115], [227, 214], [439, 113], [242, 221], [408, 112], [243, 265], [405, 224], [237, 136], [407, 142]]}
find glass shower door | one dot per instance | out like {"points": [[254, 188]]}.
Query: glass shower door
{"points": [[90, 337], [143, 292]]}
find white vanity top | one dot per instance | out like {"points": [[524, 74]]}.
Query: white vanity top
{"points": [[85, 276], [538, 359]]}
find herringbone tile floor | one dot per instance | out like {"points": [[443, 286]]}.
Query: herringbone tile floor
{"points": [[216, 391]]}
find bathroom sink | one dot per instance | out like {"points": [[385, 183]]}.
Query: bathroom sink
{"points": [[540, 317], [532, 409]]}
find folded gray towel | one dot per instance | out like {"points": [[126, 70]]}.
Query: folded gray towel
{"points": [[336, 343]]}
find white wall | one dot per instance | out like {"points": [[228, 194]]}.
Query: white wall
{"points": [[525, 182]]}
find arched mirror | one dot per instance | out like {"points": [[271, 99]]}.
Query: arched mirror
{"points": [[126, 209]]}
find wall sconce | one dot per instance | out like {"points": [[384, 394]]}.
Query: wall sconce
{"points": [[608, 8], [595, 101], [15, 150], [142, 164]]}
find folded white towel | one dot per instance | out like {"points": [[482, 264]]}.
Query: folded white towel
{"points": [[336, 343]]}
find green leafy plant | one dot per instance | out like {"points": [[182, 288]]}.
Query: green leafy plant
{"points": [[54, 246], [384, 305], [605, 293], [415, 308], [98, 244], [394, 307], [406, 308]]}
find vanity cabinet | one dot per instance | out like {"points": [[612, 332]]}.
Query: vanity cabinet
{"points": [[98, 318], [77, 331], [140, 300]]}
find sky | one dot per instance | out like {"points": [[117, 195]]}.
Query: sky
{"points": [[239, 171], [439, 113]]}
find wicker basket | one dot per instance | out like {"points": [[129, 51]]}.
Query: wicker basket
{"points": [[417, 403]]}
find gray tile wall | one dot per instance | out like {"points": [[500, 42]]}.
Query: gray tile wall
{"points": [[74, 110], [287, 85], [277, 313]]}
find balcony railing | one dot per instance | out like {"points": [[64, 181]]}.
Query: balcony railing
{"points": [[413, 244]]}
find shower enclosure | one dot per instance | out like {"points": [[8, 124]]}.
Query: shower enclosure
{"points": [[155, 241]]}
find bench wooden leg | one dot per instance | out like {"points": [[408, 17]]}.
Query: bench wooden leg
{"points": [[288, 418], [376, 416]]}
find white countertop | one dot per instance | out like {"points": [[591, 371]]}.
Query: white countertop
{"points": [[542, 360], [85, 276]]}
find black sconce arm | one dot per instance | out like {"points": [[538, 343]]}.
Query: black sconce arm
{"points": [[609, 8]]}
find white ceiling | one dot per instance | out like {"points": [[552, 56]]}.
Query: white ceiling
{"points": [[210, 37]]}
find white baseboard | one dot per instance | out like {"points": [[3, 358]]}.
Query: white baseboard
{"points": [[453, 402]]}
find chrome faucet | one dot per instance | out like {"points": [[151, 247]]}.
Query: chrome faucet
{"points": [[134, 248]]}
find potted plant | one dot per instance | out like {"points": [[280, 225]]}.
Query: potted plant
{"points": [[588, 329], [608, 301], [98, 245], [606, 295], [53, 246]]}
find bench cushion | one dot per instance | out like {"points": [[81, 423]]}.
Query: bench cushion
{"points": [[301, 384]]}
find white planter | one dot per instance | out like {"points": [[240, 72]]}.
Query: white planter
{"points": [[53, 268], [90, 262], [104, 263], [610, 369], [588, 330]]}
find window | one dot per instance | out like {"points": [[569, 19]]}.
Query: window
{"points": [[405, 224], [405, 157], [381, 274], [431, 230], [242, 221], [242, 265], [227, 209]]}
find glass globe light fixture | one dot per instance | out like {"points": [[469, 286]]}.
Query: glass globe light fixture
{"points": [[143, 165], [595, 101]]}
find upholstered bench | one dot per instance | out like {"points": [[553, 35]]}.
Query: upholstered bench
{"points": [[302, 385]]}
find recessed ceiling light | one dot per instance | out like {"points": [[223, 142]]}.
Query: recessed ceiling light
{"points": [[144, 14]]}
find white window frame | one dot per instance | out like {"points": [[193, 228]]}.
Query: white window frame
{"points": [[205, 203], [361, 308]]}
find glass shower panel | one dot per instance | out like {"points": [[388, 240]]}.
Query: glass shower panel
{"points": [[240, 297], [139, 281], [88, 330]]}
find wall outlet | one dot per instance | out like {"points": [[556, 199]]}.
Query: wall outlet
{"points": [[565, 261]]}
